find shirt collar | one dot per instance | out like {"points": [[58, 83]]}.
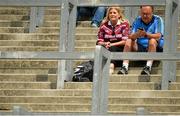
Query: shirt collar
{"points": [[118, 23]]}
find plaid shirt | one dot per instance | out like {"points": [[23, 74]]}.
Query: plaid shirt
{"points": [[108, 33]]}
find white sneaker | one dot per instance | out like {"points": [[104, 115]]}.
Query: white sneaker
{"points": [[94, 25]]}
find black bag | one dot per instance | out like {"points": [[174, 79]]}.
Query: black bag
{"points": [[84, 72]]}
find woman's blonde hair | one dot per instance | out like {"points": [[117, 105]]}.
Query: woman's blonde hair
{"points": [[118, 9]]}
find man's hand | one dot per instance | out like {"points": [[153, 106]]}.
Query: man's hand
{"points": [[141, 33]]}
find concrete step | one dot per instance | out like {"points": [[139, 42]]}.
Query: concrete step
{"points": [[88, 92], [24, 22], [8, 63], [40, 48], [14, 23], [13, 30], [53, 78], [50, 99], [79, 85], [174, 86], [55, 107], [51, 107], [26, 85], [47, 43], [28, 48], [85, 43], [87, 100], [28, 78], [82, 43], [36, 71], [115, 85], [14, 17], [152, 108], [14, 8], [52, 10], [43, 36], [46, 30], [14, 11]]}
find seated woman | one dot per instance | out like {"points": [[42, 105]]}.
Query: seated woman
{"points": [[113, 32]]}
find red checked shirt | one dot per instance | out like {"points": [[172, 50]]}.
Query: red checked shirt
{"points": [[108, 33]]}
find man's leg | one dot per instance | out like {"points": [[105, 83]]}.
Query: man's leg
{"points": [[98, 15], [151, 48]]}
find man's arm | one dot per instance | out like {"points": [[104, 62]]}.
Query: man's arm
{"points": [[155, 36]]}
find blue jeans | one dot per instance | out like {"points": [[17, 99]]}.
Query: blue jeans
{"points": [[95, 13]]}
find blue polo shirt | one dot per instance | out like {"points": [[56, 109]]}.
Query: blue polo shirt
{"points": [[155, 26]]}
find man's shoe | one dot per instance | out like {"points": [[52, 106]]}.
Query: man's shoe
{"points": [[123, 70], [94, 25], [146, 70]]}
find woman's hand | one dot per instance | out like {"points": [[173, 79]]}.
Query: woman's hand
{"points": [[107, 45]]}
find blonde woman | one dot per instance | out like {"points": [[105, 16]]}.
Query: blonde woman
{"points": [[113, 32]]}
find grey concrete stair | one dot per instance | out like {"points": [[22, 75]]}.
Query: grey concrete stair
{"points": [[43, 36], [34, 43], [88, 92], [26, 85], [115, 85], [52, 107], [57, 30], [28, 71], [79, 85], [13, 30]]}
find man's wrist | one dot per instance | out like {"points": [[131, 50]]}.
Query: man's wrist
{"points": [[146, 35]]}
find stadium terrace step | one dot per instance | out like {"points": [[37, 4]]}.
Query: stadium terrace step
{"points": [[43, 36], [13, 30], [53, 78], [58, 107], [41, 48], [87, 30], [36, 71], [26, 85], [15, 11], [13, 8], [8, 63], [174, 86], [87, 100], [51, 107], [28, 48], [14, 17], [47, 43], [85, 43], [88, 92], [28, 77], [46, 30], [115, 85], [49, 99], [5, 23], [151, 108]]}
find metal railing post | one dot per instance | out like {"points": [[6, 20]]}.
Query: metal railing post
{"points": [[100, 82], [62, 73], [33, 19], [169, 67], [40, 16], [71, 38]]}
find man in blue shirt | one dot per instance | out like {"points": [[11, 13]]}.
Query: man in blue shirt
{"points": [[146, 36]]}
